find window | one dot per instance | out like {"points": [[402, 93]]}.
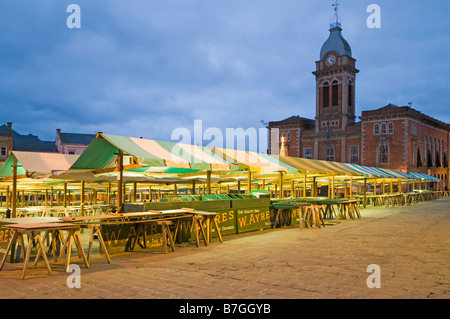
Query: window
{"points": [[413, 128], [350, 95], [71, 152], [329, 154], [391, 128], [3, 152], [334, 93], [383, 154], [307, 153], [354, 154], [326, 96], [383, 128], [376, 129], [330, 123], [288, 138]]}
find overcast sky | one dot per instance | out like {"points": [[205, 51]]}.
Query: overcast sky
{"points": [[142, 68]]}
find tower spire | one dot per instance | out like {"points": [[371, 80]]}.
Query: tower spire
{"points": [[335, 21]]}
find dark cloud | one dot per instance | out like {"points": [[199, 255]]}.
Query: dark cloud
{"points": [[146, 67]]}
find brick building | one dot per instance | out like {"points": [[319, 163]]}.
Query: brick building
{"points": [[397, 137]]}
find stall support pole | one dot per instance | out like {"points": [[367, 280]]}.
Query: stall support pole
{"points": [[304, 185], [82, 198], [332, 187], [120, 182], [292, 189], [351, 188], [65, 195], [208, 182], [281, 185], [314, 187], [14, 188], [365, 192], [134, 198], [8, 198]]}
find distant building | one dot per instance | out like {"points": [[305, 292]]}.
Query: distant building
{"points": [[6, 140], [396, 137], [12, 140], [72, 143], [65, 143]]}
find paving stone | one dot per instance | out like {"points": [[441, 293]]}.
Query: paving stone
{"points": [[410, 244]]}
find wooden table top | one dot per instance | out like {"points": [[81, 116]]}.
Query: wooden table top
{"points": [[36, 226]]}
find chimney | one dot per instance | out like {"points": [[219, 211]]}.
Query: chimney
{"points": [[58, 131], [9, 125]]}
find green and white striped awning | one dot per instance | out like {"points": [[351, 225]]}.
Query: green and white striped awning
{"points": [[370, 172], [424, 177], [37, 165], [144, 155], [312, 166]]}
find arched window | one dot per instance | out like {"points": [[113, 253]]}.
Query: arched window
{"points": [[350, 96], [390, 128], [376, 129], [383, 128], [326, 94], [334, 93]]}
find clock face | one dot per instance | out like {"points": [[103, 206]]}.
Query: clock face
{"points": [[331, 59]]}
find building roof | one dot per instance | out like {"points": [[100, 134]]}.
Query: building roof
{"points": [[336, 43], [392, 109], [76, 138], [5, 130], [31, 143], [293, 120]]}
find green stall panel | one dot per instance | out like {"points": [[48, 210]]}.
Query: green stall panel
{"points": [[120, 237], [252, 218], [251, 213], [5, 237]]}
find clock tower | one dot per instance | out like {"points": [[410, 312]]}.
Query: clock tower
{"points": [[335, 81]]}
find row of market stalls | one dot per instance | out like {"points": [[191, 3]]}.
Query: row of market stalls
{"points": [[115, 169]]}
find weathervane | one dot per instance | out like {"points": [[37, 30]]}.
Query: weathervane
{"points": [[335, 22]]}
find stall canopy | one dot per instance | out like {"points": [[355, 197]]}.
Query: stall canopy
{"points": [[37, 165], [369, 172], [311, 166], [398, 174], [424, 177], [259, 162], [142, 155]]}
